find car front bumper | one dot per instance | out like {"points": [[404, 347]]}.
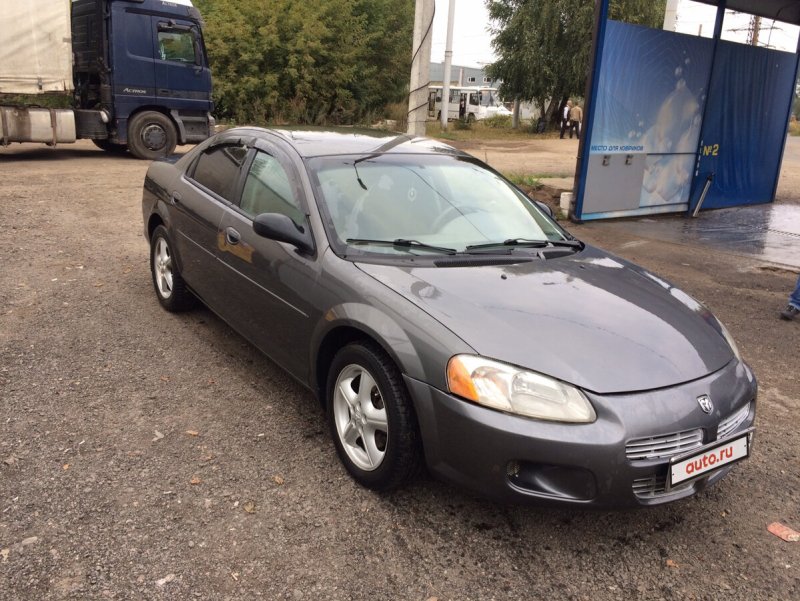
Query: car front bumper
{"points": [[511, 458]]}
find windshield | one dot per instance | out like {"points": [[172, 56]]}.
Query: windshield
{"points": [[489, 99], [434, 200]]}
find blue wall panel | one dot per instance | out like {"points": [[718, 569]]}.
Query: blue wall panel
{"points": [[745, 124]]}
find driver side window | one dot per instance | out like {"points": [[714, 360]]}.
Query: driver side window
{"points": [[176, 46], [268, 189]]}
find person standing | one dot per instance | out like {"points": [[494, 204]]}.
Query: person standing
{"points": [[565, 118], [793, 309], [575, 120]]}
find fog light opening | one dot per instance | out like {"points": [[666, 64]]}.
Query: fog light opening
{"points": [[512, 469]]}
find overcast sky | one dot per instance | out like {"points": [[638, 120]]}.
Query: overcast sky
{"points": [[472, 43]]}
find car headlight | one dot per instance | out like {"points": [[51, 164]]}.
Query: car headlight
{"points": [[508, 388], [729, 339]]}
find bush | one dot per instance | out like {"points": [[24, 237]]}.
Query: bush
{"points": [[498, 121], [462, 124]]}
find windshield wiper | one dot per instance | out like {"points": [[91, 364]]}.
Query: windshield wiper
{"points": [[403, 243], [529, 243]]}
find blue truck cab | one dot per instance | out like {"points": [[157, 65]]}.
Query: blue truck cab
{"points": [[141, 75]]}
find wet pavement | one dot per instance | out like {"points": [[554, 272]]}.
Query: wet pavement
{"points": [[768, 233]]}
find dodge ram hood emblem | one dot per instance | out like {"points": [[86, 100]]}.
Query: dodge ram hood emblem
{"points": [[705, 403]]}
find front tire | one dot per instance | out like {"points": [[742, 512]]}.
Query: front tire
{"points": [[170, 287], [372, 419], [151, 135]]}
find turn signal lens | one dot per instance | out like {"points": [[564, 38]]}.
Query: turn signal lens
{"points": [[459, 381]]}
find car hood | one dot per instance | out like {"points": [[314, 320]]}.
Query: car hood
{"points": [[590, 319]]}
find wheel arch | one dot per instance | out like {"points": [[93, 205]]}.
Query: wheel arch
{"points": [[152, 223], [155, 108], [355, 322]]}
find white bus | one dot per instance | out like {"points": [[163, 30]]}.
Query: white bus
{"points": [[470, 103]]}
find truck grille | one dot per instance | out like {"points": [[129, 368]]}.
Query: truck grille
{"points": [[663, 447], [729, 425]]}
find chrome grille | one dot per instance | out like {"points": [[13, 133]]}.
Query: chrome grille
{"points": [[662, 447], [656, 486], [729, 425]]}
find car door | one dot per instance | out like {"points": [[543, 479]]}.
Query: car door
{"points": [[198, 200], [182, 77], [270, 285]]}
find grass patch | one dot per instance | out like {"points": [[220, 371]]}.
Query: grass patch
{"points": [[525, 179], [794, 128], [480, 131], [497, 122]]}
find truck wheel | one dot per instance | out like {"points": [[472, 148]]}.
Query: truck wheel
{"points": [[151, 135], [111, 147]]}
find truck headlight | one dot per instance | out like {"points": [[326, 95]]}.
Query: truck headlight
{"points": [[513, 390]]}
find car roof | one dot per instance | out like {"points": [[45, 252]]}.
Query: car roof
{"points": [[311, 141]]}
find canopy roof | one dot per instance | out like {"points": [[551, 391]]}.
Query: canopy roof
{"points": [[787, 11]]}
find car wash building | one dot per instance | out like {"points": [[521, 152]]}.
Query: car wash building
{"points": [[675, 120]]}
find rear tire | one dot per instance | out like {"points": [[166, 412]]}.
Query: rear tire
{"points": [[371, 418], [151, 135], [171, 289]]}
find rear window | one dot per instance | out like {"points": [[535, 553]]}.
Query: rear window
{"points": [[218, 170]]}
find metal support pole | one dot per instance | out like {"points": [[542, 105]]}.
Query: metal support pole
{"points": [[448, 63], [717, 34], [709, 179], [420, 67], [670, 15], [585, 132]]}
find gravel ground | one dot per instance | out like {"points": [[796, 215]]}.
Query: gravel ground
{"points": [[145, 455]]}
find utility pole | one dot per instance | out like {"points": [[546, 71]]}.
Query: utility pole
{"points": [[671, 15], [420, 67], [448, 63], [755, 29]]}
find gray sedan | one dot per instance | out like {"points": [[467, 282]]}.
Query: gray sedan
{"points": [[443, 319]]}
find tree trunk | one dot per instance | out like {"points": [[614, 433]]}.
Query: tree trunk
{"points": [[554, 108]]}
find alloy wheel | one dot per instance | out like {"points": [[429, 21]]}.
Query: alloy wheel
{"points": [[360, 417]]}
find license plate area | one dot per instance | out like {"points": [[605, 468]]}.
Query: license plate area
{"points": [[701, 462]]}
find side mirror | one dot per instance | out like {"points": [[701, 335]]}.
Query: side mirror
{"points": [[545, 208], [282, 229]]}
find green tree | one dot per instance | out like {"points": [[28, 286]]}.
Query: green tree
{"points": [[543, 45], [307, 62]]}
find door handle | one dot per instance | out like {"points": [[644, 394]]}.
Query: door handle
{"points": [[232, 237], [175, 198]]}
